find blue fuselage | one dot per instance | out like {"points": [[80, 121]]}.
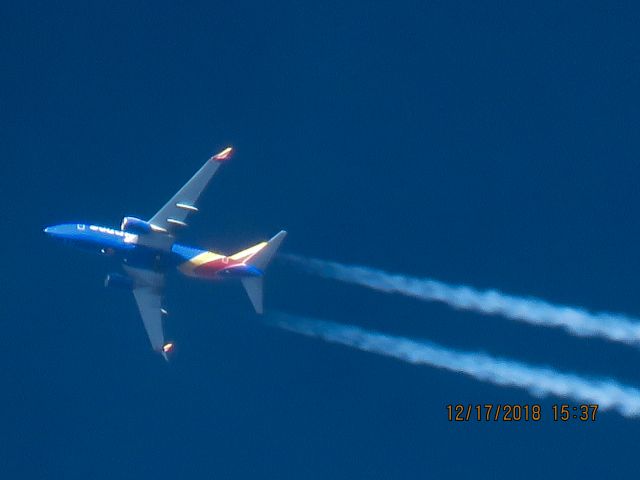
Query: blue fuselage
{"points": [[150, 252]]}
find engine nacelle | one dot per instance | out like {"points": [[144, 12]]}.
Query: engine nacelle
{"points": [[116, 280], [135, 225]]}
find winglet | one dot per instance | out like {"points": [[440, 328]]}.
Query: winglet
{"points": [[223, 155], [166, 349]]}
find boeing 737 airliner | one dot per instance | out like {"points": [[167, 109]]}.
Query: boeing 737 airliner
{"points": [[148, 250]]}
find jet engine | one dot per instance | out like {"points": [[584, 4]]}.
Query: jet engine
{"points": [[135, 225], [116, 280]]}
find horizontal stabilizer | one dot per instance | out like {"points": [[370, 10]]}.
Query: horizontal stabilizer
{"points": [[253, 286], [260, 260]]}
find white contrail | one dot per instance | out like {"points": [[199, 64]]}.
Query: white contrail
{"points": [[578, 321], [607, 393]]}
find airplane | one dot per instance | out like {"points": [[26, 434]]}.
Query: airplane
{"points": [[148, 251]]}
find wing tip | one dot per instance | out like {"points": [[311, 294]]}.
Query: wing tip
{"points": [[223, 155], [166, 350]]}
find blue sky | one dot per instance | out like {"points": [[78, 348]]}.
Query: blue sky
{"points": [[491, 144]]}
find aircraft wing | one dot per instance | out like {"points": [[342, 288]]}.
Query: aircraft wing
{"points": [[148, 292], [173, 215]]}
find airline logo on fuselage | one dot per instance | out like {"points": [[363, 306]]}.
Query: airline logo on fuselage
{"points": [[128, 237], [110, 231]]}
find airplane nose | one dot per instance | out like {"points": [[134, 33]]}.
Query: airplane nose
{"points": [[64, 231], [55, 231]]}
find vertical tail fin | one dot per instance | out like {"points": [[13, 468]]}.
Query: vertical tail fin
{"points": [[261, 260]]}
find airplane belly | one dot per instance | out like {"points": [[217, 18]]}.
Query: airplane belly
{"points": [[148, 259]]}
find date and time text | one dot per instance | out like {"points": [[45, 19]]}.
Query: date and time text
{"points": [[495, 412]]}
